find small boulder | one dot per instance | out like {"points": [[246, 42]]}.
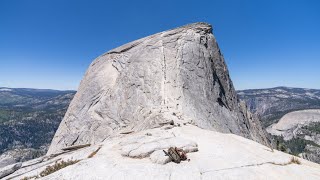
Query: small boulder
{"points": [[9, 169], [6, 160], [146, 145], [159, 157], [190, 149]]}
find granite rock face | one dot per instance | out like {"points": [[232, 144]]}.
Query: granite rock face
{"points": [[295, 124], [177, 75]]}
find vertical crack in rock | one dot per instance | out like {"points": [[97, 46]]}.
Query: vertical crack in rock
{"points": [[164, 70]]}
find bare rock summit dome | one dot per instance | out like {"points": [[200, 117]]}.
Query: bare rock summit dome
{"points": [[177, 75]]}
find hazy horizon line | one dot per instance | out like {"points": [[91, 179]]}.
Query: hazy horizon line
{"points": [[58, 89]]}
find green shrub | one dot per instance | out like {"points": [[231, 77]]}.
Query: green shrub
{"points": [[294, 160], [313, 127], [294, 146]]}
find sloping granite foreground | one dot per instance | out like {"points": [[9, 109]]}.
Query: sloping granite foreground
{"points": [[218, 156]]}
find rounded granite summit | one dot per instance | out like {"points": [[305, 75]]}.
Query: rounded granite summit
{"points": [[177, 75]]}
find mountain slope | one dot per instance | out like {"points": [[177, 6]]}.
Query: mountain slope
{"points": [[291, 115], [299, 133], [271, 104], [29, 119], [177, 75]]}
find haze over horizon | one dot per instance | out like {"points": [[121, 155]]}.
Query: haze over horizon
{"points": [[50, 44]]}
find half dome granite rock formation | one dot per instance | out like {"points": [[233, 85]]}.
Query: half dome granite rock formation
{"points": [[177, 75]]}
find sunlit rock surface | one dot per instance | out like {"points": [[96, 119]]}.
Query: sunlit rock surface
{"points": [[177, 75], [219, 156]]}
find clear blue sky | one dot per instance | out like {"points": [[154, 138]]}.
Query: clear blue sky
{"points": [[266, 43]]}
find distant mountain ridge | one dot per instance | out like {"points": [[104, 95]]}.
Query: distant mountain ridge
{"points": [[272, 103], [29, 119]]}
